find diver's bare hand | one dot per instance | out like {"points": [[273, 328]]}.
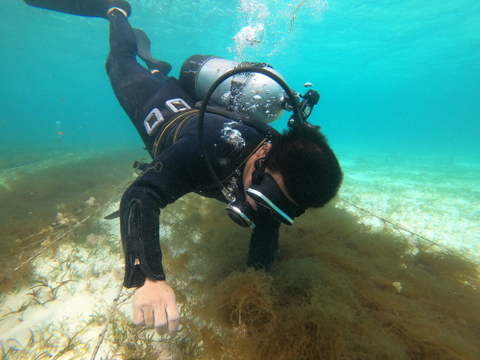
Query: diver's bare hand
{"points": [[154, 305]]}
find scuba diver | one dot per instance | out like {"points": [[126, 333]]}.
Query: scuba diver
{"points": [[211, 137]]}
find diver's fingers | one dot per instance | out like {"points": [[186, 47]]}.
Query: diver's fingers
{"points": [[173, 316], [161, 321], [138, 318]]}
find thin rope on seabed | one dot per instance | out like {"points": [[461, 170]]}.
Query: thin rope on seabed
{"points": [[399, 227], [59, 237]]}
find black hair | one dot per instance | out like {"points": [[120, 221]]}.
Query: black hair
{"points": [[310, 169]]}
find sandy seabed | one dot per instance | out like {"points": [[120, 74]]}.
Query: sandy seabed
{"points": [[73, 305]]}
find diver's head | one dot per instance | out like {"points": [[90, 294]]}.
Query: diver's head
{"points": [[296, 171], [265, 189], [310, 170], [253, 94]]}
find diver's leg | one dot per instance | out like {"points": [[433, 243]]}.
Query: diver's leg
{"points": [[137, 89], [133, 85]]}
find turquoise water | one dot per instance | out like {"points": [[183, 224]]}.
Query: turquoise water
{"points": [[395, 77], [400, 86]]}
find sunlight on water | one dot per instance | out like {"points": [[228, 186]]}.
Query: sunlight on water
{"points": [[252, 33], [265, 27]]}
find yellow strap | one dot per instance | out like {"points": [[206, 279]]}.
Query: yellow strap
{"points": [[172, 122]]}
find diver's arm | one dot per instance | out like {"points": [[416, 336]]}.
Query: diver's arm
{"points": [[166, 179], [154, 301], [264, 241], [139, 225]]}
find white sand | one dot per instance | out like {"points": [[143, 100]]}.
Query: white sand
{"points": [[431, 197]]}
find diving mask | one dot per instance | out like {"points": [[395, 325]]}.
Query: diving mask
{"points": [[269, 195]]}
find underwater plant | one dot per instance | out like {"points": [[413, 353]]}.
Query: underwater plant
{"points": [[338, 290], [50, 341], [345, 285], [44, 206]]}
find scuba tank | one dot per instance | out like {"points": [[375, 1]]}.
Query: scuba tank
{"points": [[252, 94]]}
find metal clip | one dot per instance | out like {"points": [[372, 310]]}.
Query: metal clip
{"points": [[152, 121], [176, 105]]}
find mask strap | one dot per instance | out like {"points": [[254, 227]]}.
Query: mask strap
{"points": [[259, 172]]}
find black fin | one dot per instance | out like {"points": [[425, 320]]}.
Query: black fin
{"points": [[94, 8], [144, 53]]}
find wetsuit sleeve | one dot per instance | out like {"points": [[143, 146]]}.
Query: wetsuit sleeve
{"points": [[264, 241], [169, 177]]}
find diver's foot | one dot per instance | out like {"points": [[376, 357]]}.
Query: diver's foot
{"points": [[109, 12], [157, 65], [120, 5]]}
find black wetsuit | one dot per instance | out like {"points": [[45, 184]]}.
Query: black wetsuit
{"points": [[178, 167]]}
